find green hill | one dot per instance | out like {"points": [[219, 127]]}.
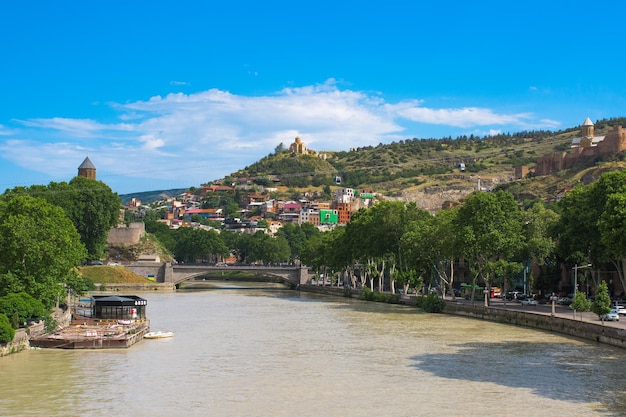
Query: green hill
{"points": [[428, 170], [148, 197]]}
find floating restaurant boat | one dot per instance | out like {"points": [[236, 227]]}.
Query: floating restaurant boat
{"points": [[116, 322]]}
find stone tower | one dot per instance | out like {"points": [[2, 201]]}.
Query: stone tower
{"points": [[587, 128], [87, 169]]}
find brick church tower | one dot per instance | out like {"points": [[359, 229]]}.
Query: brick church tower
{"points": [[87, 169]]}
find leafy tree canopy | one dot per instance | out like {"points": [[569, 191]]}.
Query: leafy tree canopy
{"points": [[91, 206], [39, 248]]}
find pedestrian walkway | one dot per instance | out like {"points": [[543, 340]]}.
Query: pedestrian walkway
{"points": [[560, 311]]}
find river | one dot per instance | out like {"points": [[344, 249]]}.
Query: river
{"points": [[283, 353]]}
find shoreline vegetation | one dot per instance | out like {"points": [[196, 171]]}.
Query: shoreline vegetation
{"points": [[121, 280], [594, 332]]}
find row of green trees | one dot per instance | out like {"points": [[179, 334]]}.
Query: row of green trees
{"points": [[396, 244], [200, 245], [45, 233]]}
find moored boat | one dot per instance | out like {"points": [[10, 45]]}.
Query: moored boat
{"points": [[158, 335]]}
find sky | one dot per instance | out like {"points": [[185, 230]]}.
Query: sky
{"points": [[163, 94]]}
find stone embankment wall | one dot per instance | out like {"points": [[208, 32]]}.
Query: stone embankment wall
{"points": [[19, 343], [584, 330]]}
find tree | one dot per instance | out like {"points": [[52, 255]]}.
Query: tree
{"points": [[612, 225], [581, 303], [163, 233], [94, 209], [198, 244], [595, 212], [23, 306], [538, 221], [312, 253], [39, 248], [602, 302], [296, 236], [90, 205], [239, 244], [489, 228], [375, 235], [428, 245], [280, 148], [7, 332], [270, 250]]}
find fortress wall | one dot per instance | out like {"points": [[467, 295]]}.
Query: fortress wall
{"points": [[126, 235]]}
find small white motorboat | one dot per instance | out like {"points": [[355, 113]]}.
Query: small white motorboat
{"points": [[158, 335]]}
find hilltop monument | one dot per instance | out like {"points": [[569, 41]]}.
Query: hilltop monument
{"points": [[298, 147]]}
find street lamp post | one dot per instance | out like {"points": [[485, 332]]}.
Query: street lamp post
{"points": [[576, 268], [553, 299]]}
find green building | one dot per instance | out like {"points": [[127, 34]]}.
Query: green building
{"points": [[329, 216]]}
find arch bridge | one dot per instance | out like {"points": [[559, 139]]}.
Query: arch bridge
{"points": [[178, 273]]}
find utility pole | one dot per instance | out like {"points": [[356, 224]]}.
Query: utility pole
{"points": [[576, 268]]}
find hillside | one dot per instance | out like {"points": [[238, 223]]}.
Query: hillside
{"points": [[148, 197], [426, 171]]}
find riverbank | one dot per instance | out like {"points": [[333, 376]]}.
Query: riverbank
{"points": [[596, 332], [601, 332]]}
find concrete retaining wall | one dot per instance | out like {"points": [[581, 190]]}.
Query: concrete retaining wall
{"points": [[584, 330], [19, 343]]}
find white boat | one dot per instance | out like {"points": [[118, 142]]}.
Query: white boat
{"points": [[157, 335]]}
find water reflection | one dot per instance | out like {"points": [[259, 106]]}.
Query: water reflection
{"points": [[540, 367]]}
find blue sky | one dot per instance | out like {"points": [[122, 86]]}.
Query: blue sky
{"points": [[174, 94]]}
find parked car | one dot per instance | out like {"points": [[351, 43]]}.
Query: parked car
{"points": [[456, 292], [513, 295], [621, 310], [610, 316], [529, 302], [564, 301]]}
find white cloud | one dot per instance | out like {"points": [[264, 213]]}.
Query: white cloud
{"points": [[217, 132], [464, 117], [4, 131], [78, 128]]}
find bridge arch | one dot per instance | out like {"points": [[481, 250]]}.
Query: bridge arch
{"points": [[178, 273]]}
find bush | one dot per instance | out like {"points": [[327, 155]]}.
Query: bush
{"points": [[7, 332], [50, 324], [379, 297], [21, 306], [366, 294], [433, 304]]}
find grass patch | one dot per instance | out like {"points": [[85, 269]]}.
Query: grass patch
{"points": [[112, 275]]}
